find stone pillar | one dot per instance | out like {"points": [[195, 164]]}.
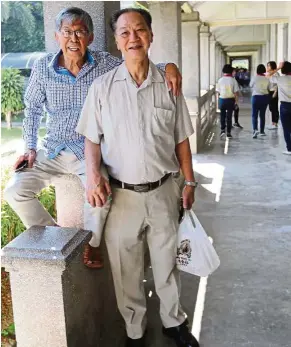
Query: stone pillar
{"points": [[268, 44], [212, 60], [191, 72], [273, 42], [167, 42], [280, 42], [57, 301], [289, 40], [204, 57], [217, 62], [264, 55], [100, 12]]}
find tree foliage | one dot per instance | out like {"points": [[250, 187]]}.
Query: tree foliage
{"points": [[22, 26], [11, 92]]}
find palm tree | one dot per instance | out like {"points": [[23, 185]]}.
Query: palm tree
{"points": [[11, 93], [17, 10]]}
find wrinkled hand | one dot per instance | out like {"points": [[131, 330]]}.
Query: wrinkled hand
{"points": [[30, 156], [98, 191], [188, 197], [173, 78]]}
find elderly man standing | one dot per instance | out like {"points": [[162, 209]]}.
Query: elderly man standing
{"points": [[140, 130], [59, 84]]}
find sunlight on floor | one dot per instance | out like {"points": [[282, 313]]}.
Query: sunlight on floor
{"points": [[199, 306], [214, 171], [226, 146]]}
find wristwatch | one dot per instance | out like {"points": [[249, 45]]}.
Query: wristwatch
{"points": [[191, 183]]}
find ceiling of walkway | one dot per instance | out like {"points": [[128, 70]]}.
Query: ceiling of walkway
{"points": [[241, 26]]}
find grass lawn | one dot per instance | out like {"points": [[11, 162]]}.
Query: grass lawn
{"points": [[14, 134]]}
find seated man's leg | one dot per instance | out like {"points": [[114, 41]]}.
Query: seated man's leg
{"points": [[94, 220], [125, 244], [23, 187]]}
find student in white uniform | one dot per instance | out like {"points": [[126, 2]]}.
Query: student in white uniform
{"points": [[227, 89], [260, 100], [273, 102], [284, 91]]}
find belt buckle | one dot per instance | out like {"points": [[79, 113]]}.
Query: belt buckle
{"points": [[141, 188]]}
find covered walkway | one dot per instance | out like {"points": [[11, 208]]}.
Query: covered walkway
{"points": [[243, 202]]}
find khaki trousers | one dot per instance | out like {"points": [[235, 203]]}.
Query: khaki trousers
{"points": [[136, 218], [21, 192]]}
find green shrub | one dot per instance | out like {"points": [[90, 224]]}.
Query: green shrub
{"points": [[11, 224]]}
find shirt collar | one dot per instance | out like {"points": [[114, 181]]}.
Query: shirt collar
{"points": [[54, 62], [154, 75]]}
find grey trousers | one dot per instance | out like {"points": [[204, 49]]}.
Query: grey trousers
{"points": [[136, 218], [21, 192]]}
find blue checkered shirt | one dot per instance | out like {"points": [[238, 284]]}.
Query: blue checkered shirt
{"points": [[55, 90]]}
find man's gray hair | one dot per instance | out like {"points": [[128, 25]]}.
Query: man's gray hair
{"points": [[72, 14]]}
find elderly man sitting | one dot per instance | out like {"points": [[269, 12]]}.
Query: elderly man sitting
{"points": [[140, 130], [59, 84]]}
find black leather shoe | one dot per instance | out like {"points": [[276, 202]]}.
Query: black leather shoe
{"points": [[135, 342], [181, 335]]}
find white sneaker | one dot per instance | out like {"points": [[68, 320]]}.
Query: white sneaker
{"points": [[287, 152], [255, 134], [263, 134], [273, 127]]}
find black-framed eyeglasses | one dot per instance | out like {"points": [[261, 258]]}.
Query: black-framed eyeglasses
{"points": [[78, 33]]}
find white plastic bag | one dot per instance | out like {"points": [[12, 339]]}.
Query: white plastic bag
{"points": [[195, 253]]}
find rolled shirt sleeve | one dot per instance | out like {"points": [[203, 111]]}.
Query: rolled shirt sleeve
{"points": [[34, 99], [90, 122], [183, 123]]}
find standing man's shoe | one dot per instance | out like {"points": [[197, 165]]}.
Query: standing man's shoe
{"points": [[135, 342], [181, 335]]}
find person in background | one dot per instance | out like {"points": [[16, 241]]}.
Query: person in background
{"points": [[273, 101], [284, 91], [260, 100], [236, 110], [227, 89]]}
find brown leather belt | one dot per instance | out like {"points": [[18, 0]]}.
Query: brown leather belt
{"points": [[140, 188]]}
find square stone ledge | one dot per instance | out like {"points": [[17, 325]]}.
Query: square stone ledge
{"points": [[47, 245]]}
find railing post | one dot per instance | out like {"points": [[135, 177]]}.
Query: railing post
{"points": [[57, 301]]}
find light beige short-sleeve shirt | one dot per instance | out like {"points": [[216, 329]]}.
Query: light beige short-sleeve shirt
{"points": [[284, 86], [137, 127], [227, 86], [260, 84]]}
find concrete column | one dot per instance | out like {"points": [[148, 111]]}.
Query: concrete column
{"points": [[273, 42], [260, 55], [191, 72], [218, 62], [268, 44], [282, 49], [289, 40], [167, 43], [57, 301], [264, 55], [212, 60], [204, 57], [100, 11], [191, 54]]}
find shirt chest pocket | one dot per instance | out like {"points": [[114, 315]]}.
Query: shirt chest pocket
{"points": [[163, 121]]}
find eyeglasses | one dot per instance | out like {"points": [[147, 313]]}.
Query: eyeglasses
{"points": [[79, 33]]}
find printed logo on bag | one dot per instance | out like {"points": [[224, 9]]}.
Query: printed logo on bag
{"points": [[184, 252]]}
